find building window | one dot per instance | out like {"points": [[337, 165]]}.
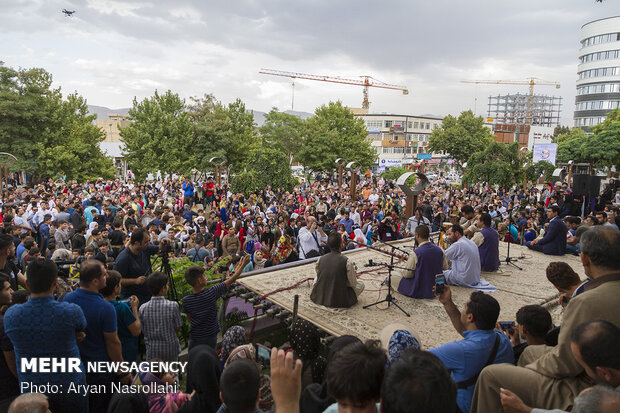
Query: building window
{"points": [[388, 123], [399, 150], [374, 124], [428, 126], [409, 125], [415, 125]]}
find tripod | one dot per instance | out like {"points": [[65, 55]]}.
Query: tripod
{"points": [[165, 268], [510, 260], [389, 298]]}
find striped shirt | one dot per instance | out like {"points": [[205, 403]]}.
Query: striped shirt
{"points": [[160, 318], [202, 309]]}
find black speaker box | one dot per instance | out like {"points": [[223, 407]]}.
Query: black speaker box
{"points": [[586, 185]]}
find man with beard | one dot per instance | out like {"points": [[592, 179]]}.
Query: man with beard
{"points": [[7, 264]]}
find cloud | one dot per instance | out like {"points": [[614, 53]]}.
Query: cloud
{"points": [[111, 51]]}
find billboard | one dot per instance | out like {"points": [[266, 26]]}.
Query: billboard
{"points": [[539, 134], [424, 156], [545, 152]]}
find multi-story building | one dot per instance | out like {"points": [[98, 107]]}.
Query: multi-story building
{"points": [[113, 145], [598, 85], [400, 139]]}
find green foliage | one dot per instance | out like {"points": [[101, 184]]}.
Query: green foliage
{"points": [[283, 132], [334, 132], [461, 137], [48, 135], [599, 149], [242, 134], [264, 166], [178, 267], [603, 147], [569, 146], [498, 164], [560, 130], [541, 168], [72, 146], [212, 130], [395, 172], [160, 136]]}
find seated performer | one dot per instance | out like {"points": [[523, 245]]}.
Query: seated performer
{"points": [[487, 240], [464, 261], [554, 240], [426, 262], [336, 284]]}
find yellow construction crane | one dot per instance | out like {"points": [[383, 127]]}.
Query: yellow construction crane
{"points": [[365, 81], [531, 81]]}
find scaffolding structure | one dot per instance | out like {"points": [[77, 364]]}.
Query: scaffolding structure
{"points": [[519, 110]]}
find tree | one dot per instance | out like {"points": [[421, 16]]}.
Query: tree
{"points": [[160, 138], [569, 146], [602, 148], [560, 130], [395, 172], [460, 137], [264, 166], [334, 132], [243, 134], [72, 146], [212, 130], [498, 164], [48, 135], [283, 131]]}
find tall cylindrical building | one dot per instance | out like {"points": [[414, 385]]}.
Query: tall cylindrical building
{"points": [[598, 84]]}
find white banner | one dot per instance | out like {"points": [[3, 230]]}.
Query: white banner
{"points": [[545, 152]]}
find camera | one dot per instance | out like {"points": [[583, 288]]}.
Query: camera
{"points": [[64, 266], [507, 326]]}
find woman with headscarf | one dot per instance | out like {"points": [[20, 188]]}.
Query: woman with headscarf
{"points": [[89, 233], [203, 376], [165, 402], [359, 237], [247, 351], [234, 337], [314, 398], [306, 342], [285, 252]]}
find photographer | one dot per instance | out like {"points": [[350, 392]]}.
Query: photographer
{"points": [[311, 238], [134, 264], [387, 230]]}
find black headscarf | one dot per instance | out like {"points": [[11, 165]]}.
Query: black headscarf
{"points": [[314, 398], [128, 403], [306, 342], [203, 375]]}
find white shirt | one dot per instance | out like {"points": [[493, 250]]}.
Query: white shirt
{"points": [[465, 269], [355, 216], [307, 242]]}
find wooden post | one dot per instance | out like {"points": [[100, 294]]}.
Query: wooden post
{"points": [[339, 176], [353, 185]]}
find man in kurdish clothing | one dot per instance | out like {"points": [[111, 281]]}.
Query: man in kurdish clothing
{"points": [[422, 266], [336, 284], [487, 240]]}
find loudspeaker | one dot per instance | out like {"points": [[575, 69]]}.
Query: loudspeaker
{"points": [[586, 185]]}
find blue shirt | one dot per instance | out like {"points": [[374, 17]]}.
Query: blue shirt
{"points": [[202, 309], [44, 327], [465, 358], [101, 318], [348, 224], [124, 318]]}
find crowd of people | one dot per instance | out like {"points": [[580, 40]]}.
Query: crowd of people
{"points": [[78, 281]]}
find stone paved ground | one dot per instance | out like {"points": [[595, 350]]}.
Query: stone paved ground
{"points": [[428, 319]]}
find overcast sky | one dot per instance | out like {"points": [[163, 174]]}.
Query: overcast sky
{"points": [[111, 51]]}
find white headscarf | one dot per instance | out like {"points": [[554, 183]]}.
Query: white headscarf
{"points": [[92, 226], [359, 236]]}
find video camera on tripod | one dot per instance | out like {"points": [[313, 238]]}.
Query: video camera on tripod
{"points": [[173, 246], [65, 266]]}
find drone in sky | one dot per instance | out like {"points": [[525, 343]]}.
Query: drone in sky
{"points": [[68, 13]]}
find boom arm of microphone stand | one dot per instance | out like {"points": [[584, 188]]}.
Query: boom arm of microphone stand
{"points": [[394, 247]]}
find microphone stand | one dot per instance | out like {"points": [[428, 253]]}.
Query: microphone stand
{"points": [[510, 260], [389, 298]]}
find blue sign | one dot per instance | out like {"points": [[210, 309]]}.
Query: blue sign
{"points": [[424, 156]]}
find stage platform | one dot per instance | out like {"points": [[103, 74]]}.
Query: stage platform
{"points": [[428, 320]]}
